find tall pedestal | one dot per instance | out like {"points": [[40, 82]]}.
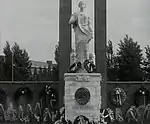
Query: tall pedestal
{"points": [[82, 95]]}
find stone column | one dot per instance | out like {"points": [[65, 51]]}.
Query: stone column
{"points": [[65, 43], [100, 44]]}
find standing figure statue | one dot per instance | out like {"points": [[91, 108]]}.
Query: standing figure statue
{"points": [[83, 32]]}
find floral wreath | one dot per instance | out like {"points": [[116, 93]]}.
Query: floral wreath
{"points": [[106, 116], [77, 119], [118, 96], [89, 66], [75, 67]]}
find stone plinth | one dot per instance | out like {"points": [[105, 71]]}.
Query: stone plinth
{"points": [[89, 81]]}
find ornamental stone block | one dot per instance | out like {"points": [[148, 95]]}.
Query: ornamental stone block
{"points": [[82, 95]]}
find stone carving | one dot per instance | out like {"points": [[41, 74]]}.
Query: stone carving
{"points": [[83, 32], [82, 96], [81, 78]]}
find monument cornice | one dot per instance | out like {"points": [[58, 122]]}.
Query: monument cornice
{"points": [[82, 77]]}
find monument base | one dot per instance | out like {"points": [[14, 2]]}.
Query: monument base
{"points": [[82, 96]]}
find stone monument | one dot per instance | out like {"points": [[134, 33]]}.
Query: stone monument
{"points": [[82, 84]]}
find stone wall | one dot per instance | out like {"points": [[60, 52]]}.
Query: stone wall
{"points": [[36, 87]]}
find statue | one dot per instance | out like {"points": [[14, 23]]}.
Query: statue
{"points": [[83, 32]]}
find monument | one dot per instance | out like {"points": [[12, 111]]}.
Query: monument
{"points": [[65, 10], [82, 84]]}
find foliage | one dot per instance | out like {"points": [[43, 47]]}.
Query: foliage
{"points": [[16, 60], [146, 64], [7, 65], [129, 58], [22, 64]]}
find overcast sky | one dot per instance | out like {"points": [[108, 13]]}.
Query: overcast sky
{"points": [[33, 24]]}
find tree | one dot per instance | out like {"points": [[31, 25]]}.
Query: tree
{"points": [[112, 68], [7, 65], [146, 63], [22, 64], [16, 60], [2, 76], [129, 58]]}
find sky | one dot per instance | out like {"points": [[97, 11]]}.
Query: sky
{"points": [[34, 24]]}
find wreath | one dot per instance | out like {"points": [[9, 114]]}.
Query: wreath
{"points": [[131, 114], [89, 66], [81, 118], [118, 97], [141, 92], [75, 67], [107, 116]]}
